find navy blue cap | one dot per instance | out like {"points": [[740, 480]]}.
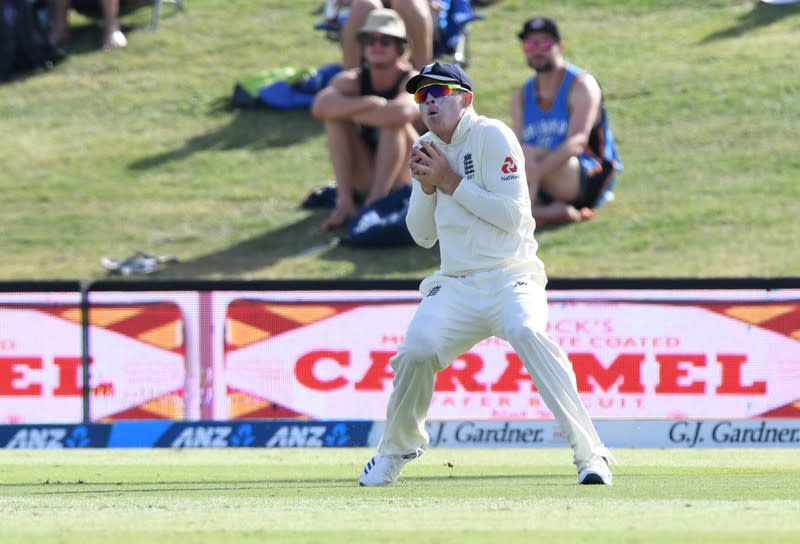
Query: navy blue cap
{"points": [[540, 24], [446, 73]]}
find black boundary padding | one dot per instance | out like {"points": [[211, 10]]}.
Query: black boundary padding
{"points": [[554, 284], [33, 286]]}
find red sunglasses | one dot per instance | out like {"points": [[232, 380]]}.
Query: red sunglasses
{"points": [[534, 43]]}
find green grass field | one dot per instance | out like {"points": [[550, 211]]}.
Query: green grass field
{"points": [[465, 496], [116, 152]]}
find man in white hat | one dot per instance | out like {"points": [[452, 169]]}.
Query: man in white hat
{"points": [[369, 119]]}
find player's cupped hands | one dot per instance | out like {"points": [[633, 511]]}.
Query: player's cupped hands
{"points": [[431, 168]]}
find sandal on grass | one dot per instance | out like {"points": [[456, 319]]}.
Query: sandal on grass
{"points": [[136, 264]]}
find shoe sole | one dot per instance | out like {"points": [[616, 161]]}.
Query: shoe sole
{"points": [[362, 484], [593, 479]]}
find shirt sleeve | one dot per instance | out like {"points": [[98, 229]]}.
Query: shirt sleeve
{"points": [[420, 219], [500, 194]]}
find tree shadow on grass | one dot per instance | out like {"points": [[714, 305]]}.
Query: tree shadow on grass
{"points": [[761, 15], [86, 35], [395, 262], [254, 129], [83, 39], [253, 254], [301, 240]]}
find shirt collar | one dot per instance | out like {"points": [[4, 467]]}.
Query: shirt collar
{"points": [[462, 129]]}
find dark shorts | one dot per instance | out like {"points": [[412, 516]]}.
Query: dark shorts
{"points": [[593, 185], [370, 136], [91, 8]]}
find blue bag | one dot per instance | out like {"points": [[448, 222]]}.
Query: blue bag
{"points": [[383, 223], [283, 88]]}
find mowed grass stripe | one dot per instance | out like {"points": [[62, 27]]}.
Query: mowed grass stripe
{"points": [[304, 495]]}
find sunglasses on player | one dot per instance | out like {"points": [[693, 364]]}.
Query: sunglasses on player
{"points": [[533, 44], [436, 90], [372, 39]]}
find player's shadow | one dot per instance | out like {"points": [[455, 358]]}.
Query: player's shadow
{"points": [[254, 129], [761, 15]]}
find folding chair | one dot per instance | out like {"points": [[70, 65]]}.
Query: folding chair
{"points": [[156, 16], [452, 31]]}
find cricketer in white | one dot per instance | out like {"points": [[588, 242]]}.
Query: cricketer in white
{"points": [[470, 193]]}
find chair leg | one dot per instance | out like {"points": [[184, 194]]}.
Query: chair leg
{"points": [[461, 50], [156, 17]]}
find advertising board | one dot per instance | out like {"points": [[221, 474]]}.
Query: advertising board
{"points": [[236, 355]]}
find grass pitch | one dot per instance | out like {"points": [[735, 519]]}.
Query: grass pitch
{"points": [[465, 496]]}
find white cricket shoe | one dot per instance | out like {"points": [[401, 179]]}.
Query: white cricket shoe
{"points": [[595, 472], [383, 470]]}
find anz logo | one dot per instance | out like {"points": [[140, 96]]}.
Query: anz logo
{"points": [[289, 435], [309, 436], [215, 436], [50, 438]]}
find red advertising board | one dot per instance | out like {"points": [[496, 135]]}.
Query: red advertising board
{"points": [[653, 354], [137, 361]]}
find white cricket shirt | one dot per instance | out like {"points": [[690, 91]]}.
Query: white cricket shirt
{"points": [[486, 223]]}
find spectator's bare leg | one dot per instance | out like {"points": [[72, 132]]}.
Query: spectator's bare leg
{"points": [[563, 184], [113, 38], [59, 33], [351, 165], [351, 49], [558, 212], [391, 162], [416, 14]]}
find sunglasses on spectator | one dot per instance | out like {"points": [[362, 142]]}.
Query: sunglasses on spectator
{"points": [[534, 43], [436, 90], [372, 39]]}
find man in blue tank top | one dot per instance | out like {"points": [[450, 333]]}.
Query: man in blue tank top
{"points": [[571, 157]]}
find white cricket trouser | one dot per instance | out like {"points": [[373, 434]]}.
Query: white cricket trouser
{"points": [[450, 320]]}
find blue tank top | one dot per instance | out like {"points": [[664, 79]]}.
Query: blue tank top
{"points": [[548, 129]]}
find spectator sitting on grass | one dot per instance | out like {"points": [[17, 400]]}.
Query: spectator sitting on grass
{"points": [[369, 120], [559, 117]]}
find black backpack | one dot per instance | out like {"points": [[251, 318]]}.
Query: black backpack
{"points": [[24, 37]]}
